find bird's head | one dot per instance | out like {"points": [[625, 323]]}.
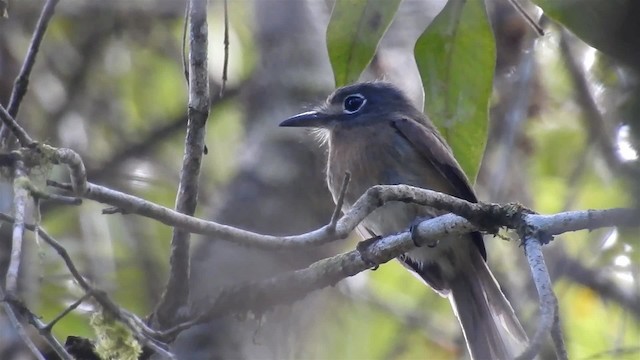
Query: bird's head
{"points": [[359, 104]]}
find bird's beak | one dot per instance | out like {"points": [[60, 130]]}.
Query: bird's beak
{"points": [[307, 119]]}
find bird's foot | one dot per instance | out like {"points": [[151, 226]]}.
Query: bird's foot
{"points": [[363, 249], [413, 229]]}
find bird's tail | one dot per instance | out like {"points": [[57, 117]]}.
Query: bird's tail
{"points": [[491, 329]]}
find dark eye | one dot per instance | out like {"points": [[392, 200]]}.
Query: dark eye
{"points": [[353, 103]]}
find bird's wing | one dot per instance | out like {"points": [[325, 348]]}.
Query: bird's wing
{"points": [[434, 150]]}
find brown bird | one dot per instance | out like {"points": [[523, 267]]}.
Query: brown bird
{"points": [[377, 135]]}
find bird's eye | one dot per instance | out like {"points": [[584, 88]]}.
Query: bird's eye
{"points": [[353, 103]]}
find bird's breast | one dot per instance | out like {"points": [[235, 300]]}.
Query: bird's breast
{"points": [[377, 156]]}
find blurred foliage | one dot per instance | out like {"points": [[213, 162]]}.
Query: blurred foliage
{"points": [[135, 83]]}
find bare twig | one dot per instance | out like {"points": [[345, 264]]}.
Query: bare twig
{"points": [[66, 311], [548, 301], [77, 171], [522, 11], [22, 81], [13, 318], [17, 306], [176, 295], [137, 327], [338, 209], [21, 196], [185, 66], [497, 215], [9, 123], [225, 64]]}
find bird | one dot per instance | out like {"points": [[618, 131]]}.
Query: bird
{"points": [[379, 137]]}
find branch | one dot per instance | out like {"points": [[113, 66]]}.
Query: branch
{"points": [[135, 325], [176, 295], [258, 297], [13, 319], [487, 215], [548, 303], [21, 196], [22, 81], [8, 122], [12, 306]]}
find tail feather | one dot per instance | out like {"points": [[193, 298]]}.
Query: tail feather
{"points": [[491, 329]]}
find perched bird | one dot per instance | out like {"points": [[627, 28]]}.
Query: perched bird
{"points": [[380, 138]]}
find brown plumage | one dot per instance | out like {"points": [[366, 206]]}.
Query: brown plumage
{"points": [[377, 135]]}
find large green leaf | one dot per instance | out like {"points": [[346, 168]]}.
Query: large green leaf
{"points": [[354, 31], [611, 26], [456, 58]]}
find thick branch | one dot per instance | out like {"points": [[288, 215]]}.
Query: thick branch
{"points": [[176, 295]]}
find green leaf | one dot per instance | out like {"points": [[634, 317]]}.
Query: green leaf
{"points": [[456, 58], [355, 29], [610, 26]]}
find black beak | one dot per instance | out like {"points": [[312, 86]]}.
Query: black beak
{"points": [[306, 119]]}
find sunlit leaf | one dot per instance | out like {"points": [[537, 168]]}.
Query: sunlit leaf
{"points": [[456, 58], [354, 31]]}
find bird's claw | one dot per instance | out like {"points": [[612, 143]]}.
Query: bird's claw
{"points": [[362, 248], [413, 229]]}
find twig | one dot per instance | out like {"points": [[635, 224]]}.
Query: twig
{"points": [[548, 301], [534, 24], [77, 171], [557, 337], [22, 81], [134, 324], [17, 306], [66, 311], [21, 196], [9, 123], [39, 194], [338, 209], [13, 319], [225, 64], [176, 295], [498, 215], [185, 66]]}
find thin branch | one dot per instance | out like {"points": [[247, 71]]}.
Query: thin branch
{"points": [[137, 326], [548, 301], [77, 171], [185, 66], [17, 306], [22, 81], [66, 311], [225, 64], [176, 295], [481, 213], [338, 209], [21, 196], [13, 319], [523, 12], [9, 123]]}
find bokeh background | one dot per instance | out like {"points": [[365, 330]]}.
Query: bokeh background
{"points": [[109, 83]]}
